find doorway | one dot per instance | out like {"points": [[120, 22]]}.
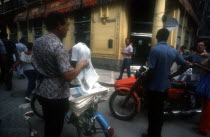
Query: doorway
{"points": [[141, 18]]}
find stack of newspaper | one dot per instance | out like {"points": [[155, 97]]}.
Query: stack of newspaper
{"points": [[81, 100], [90, 91]]}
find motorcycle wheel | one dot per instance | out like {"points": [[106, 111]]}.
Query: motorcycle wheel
{"points": [[126, 112]]}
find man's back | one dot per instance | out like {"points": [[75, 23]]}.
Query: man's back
{"points": [[161, 58]]}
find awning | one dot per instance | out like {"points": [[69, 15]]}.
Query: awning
{"points": [[88, 3], [36, 12], [189, 9], [61, 6], [21, 16]]}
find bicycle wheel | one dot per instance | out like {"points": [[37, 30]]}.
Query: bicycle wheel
{"points": [[36, 107], [89, 126], [126, 112]]}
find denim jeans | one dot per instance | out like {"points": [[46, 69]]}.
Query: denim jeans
{"points": [[31, 76], [126, 64]]}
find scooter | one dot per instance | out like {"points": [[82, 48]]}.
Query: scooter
{"points": [[130, 95]]}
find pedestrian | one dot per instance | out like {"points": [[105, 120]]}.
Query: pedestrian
{"points": [[127, 54], [183, 51], [8, 49], [199, 56], [184, 76], [203, 89], [160, 60], [21, 47], [28, 69], [3, 54], [54, 72], [80, 51]]}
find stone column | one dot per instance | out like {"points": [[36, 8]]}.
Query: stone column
{"points": [[157, 22]]}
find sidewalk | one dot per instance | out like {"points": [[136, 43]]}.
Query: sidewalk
{"points": [[108, 77]]}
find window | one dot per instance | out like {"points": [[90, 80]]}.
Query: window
{"points": [[82, 26], [179, 35], [37, 28], [24, 29], [187, 36]]}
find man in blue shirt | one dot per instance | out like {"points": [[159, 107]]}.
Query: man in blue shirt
{"points": [[199, 56], [160, 60]]}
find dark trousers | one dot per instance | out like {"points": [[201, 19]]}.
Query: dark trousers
{"points": [[155, 112], [54, 111], [125, 65], [31, 76], [6, 75]]}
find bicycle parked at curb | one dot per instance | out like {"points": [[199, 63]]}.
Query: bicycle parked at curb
{"points": [[89, 124]]}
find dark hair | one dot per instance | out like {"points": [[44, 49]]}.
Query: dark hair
{"points": [[29, 46], [22, 40], [128, 39], [162, 34], [54, 19], [193, 48], [198, 41], [184, 47], [3, 35]]}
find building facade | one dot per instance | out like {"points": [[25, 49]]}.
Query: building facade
{"points": [[104, 24]]}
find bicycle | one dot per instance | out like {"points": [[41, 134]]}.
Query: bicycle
{"points": [[89, 124]]}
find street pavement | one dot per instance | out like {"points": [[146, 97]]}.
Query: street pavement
{"points": [[13, 123]]}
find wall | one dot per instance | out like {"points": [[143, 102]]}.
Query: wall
{"points": [[116, 28], [69, 39], [174, 13]]}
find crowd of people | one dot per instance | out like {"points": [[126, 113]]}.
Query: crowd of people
{"points": [[51, 71]]}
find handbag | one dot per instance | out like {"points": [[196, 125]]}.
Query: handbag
{"points": [[203, 87]]}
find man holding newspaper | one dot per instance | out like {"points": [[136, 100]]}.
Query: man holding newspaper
{"points": [[54, 71]]}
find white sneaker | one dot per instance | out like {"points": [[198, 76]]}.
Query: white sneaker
{"points": [[27, 99]]}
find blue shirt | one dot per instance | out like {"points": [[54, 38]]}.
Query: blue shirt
{"points": [[195, 58], [21, 48], [160, 59]]}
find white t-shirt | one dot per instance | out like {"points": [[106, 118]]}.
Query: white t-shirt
{"points": [[80, 52], [26, 59], [128, 49]]}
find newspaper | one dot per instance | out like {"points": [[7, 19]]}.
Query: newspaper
{"points": [[87, 78], [81, 100], [90, 91]]}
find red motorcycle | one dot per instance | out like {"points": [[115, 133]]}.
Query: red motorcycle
{"points": [[130, 95]]}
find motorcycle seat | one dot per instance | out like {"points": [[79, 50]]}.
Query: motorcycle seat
{"points": [[178, 84]]}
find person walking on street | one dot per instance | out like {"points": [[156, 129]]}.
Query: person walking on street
{"points": [[21, 48], [160, 60], [54, 71], [127, 54], [28, 69], [8, 49]]}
